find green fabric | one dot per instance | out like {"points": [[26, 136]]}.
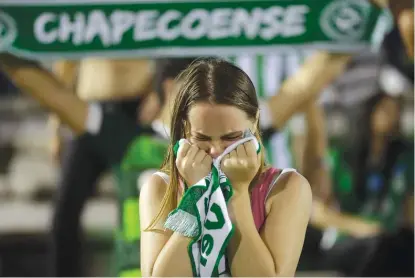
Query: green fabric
{"points": [[143, 153], [400, 186], [39, 29]]}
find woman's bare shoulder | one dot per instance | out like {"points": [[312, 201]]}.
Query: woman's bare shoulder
{"points": [[155, 188], [293, 187]]}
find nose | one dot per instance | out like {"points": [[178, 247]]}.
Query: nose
{"points": [[215, 149]]}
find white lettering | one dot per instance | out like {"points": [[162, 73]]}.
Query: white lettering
{"points": [[43, 36], [294, 20], [121, 22], [76, 28], [272, 21], [201, 19], [220, 23], [163, 30], [145, 27], [98, 26], [244, 22]]}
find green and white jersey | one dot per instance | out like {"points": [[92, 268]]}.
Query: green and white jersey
{"points": [[268, 72]]}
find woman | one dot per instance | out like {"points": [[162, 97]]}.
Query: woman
{"points": [[116, 84], [270, 209]]}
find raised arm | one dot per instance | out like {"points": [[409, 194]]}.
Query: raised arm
{"points": [[33, 79], [65, 71], [403, 13], [314, 168], [318, 71]]}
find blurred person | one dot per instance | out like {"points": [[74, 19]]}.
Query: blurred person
{"points": [[96, 124], [357, 86], [215, 104], [115, 84], [373, 188]]}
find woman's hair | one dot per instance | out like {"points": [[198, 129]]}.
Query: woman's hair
{"points": [[209, 80], [166, 68]]}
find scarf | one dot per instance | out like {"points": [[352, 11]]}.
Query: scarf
{"points": [[203, 215], [113, 29]]}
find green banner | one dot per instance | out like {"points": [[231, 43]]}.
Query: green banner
{"points": [[125, 28]]}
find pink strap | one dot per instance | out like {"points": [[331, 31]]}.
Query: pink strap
{"points": [[258, 195]]}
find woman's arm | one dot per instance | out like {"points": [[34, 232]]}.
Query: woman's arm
{"points": [[315, 149], [276, 250], [324, 217], [318, 71], [33, 79], [65, 71], [406, 27], [403, 13], [163, 253]]}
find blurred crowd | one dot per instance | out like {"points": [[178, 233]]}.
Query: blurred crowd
{"points": [[353, 141]]}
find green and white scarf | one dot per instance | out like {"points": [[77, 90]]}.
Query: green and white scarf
{"points": [[203, 215], [75, 29]]}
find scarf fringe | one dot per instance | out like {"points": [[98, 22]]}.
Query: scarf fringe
{"points": [[183, 223]]}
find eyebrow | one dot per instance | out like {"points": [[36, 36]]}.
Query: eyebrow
{"points": [[230, 134]]}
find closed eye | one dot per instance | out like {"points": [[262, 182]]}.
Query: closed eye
{"points": [[228, 137], [201, 138], [231, 138]]}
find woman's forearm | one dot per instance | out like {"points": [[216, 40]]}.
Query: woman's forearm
{"points": [[173, 260], [248, 255], [31, 78]]}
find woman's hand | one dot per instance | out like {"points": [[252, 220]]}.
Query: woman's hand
{"points": [[193, 163], [241, 166]]}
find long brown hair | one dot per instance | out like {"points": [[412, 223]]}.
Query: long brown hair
{"points": [[206, 80]]}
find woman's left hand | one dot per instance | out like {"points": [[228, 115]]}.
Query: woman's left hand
{"points": [[241, 166]]}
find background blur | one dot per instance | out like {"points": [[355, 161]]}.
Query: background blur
{"points": [[28, 174]]}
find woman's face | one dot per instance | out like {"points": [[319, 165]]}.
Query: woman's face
{"points": [[213, 127]]}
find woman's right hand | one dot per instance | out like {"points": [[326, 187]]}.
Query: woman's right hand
{"points": [[193, 163]]}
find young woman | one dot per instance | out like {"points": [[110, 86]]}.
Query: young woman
{"points": [[216, 102]]}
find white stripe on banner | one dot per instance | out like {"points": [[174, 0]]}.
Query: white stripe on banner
{"points": [[273, 74], [247, 64]]}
